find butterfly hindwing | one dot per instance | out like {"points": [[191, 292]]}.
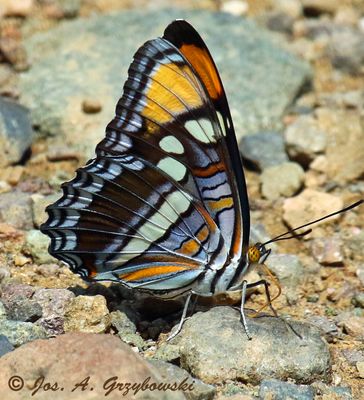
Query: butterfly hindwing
{"points": [[120, 216]]}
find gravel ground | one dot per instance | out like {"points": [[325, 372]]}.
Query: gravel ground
{"points": [[294, 73]]}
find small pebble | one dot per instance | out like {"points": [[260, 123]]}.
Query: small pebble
{"points": [[335, 392], [62, 9], [346, 49], [121, 322], [20, 260], [319, 164], [36, 244], [263, 149], [305, 140], [281, 180], [91, 106], [313, 298], [4, 187], [354, 326], [13, 174], [360, 275], [275, 389], [353, 356], [344, 154], [279, 22], [19, 332], [326, 326], [39, 203], [60, 153], [358, 300], [343, 292], [235, 7], [87, 314], [17, 8], [347, 15], [287, 268], [293, 8], [360, 368], [328, 251], [320, 6]]}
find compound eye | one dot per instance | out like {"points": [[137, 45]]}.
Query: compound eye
{"points": [[254, 254]]}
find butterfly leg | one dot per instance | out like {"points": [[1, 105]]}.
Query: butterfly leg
{"points": [[269, 300], [267, 294], [243, 297], [183, 319]]}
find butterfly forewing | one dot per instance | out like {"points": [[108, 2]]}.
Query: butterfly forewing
{"points": [[159, 207]]}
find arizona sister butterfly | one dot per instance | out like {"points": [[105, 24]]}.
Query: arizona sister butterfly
{"points": [[163, 206]]}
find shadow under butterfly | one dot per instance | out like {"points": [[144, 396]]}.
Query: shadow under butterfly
{"points": [[163, 206]]}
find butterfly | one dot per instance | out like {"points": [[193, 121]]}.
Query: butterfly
{"points": [[163, 206]]}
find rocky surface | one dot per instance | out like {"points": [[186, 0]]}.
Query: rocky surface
{"points": [[251, 360], [69, 75]]}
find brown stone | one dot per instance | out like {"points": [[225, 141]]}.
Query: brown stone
{"points": [[308, 206], [345, 147], [87, 314]]}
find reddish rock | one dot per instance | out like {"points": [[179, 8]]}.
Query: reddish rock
{"points": [[53, 303], [70, 359]]}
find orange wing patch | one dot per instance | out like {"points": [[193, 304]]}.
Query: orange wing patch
{"points": [[191, 247], [220, 204], [201, 61], [210, 170], [236, 245], [169, 93], [150, 272], [203, 234]]}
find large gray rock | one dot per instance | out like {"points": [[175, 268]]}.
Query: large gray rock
{"points": [[215, 348], [88, 59]]}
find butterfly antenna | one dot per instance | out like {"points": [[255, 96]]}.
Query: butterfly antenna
{"points": [[299, 235]]}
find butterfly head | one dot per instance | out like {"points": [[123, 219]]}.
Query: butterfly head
{"points": [[257, 253]]}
